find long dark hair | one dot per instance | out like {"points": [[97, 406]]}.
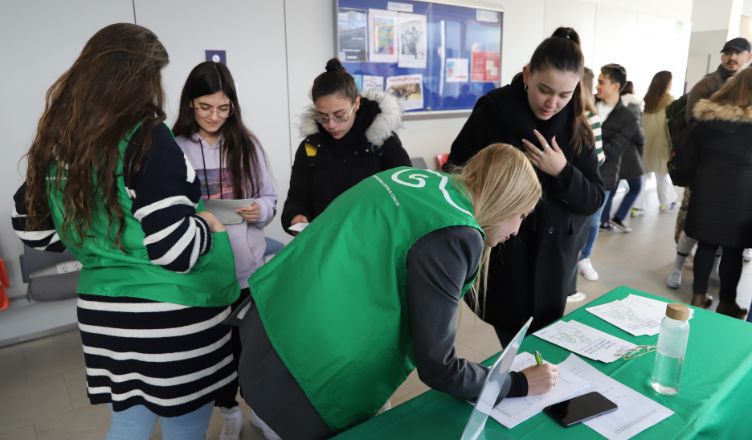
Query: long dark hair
{"points": [[561, 51], [113, 85], [657, 90], [238, 144], [334, 80]]}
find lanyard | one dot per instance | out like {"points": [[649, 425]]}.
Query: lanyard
{"points": [[206, 176]]}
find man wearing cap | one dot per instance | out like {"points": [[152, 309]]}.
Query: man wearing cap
{"points": [[734, 57]]}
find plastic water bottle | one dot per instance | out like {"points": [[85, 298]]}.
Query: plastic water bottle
{"points": [[672, 345]]}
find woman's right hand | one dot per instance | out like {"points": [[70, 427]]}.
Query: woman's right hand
{"points": [[214, 224], [298, 219], [540, 378]]}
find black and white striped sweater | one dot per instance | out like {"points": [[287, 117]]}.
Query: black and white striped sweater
{"points": [[165, 193]]}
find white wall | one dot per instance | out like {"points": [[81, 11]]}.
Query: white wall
{"points": [[276, 48]]}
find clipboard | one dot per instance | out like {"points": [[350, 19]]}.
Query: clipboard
{"points": [[224, 209], [492, 387]]}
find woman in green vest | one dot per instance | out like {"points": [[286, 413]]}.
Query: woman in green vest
{"points": [[371, 290], [107, 181]]}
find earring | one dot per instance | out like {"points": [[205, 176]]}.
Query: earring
{"points": [[525, 88]]}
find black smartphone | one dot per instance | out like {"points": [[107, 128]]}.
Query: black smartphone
{"points": [[580, 408]]}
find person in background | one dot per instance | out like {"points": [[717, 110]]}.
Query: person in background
{"points": [[107, 181], [346, 138], [584, 265], [658, 141], [231, 164], [622, 142], [720, 211], [735, 56], [326, 348], [542, 113]]}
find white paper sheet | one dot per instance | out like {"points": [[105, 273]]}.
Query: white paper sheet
{"points": [[298, 227], [585, 340], [636, 412], [512, 411], [224, 209], [634, 314]]}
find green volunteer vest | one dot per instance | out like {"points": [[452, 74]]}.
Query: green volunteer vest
{"points": [[333, 302], [111, 271]]}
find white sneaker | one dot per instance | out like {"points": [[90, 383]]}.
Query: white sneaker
{"points": [[747, 255], [674, 279], [576, 297], [232, 423], [586, 270]]}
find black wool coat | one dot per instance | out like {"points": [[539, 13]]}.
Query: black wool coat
{"points": [[531, 274], [720, 144]]}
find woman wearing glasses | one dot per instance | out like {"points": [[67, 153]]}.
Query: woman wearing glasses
{"points": [[231, 164], [346, 138]]}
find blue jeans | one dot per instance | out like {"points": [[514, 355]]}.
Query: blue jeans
{"points": [[593, 229], [635, 186], [137, 422]]}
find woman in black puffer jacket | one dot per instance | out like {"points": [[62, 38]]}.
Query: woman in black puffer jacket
{"points": [[346, 138], [720, 209]]}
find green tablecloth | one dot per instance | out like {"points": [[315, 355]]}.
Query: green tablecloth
{"points": [[714, 400]]}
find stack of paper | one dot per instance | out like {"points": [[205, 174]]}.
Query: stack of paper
{"points": [[512, 411], [634, 314], [585, 340], [635, 413]]}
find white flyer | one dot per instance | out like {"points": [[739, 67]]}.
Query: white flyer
{"points": [[585, 340]]}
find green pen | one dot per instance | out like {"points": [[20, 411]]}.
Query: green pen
{"points": [[538, 358]]}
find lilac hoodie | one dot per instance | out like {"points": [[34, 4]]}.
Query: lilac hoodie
{"points": [[247, 239]]}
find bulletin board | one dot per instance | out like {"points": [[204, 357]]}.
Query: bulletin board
{"points": [[434, 56]]}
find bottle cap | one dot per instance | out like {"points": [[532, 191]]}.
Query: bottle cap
{"points": [[677, 311]]}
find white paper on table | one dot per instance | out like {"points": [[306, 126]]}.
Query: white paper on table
{"points": [[585, 340], [635, 412], [512, 411], [634, 314]]}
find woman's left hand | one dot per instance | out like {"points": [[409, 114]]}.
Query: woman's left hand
{"points": [[250, 213], [550, 159]]}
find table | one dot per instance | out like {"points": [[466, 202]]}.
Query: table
{"points": [[714, 400]]}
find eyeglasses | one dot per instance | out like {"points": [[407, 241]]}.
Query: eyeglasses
{"points": [[324, 119], [206, 110]]}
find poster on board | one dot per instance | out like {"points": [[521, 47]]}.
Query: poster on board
{"points": [[413, 43], [373, 82], [408, 89], [382, 29], [353, 34], [486, 66], [457, 70]]}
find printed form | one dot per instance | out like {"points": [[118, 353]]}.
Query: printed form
{"points": [[585, 340]]}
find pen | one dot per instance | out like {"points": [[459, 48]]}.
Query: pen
{"points": [[538, 358]]}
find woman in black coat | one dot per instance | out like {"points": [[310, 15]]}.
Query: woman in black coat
{"points": [[720, 208], [541, 111], [346, 138]]}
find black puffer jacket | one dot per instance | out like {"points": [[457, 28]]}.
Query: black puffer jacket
{"points": [[720, 144], [531, 274], [325, 167]]}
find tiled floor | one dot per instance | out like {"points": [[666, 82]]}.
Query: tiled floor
{"points": [[43, 396]]}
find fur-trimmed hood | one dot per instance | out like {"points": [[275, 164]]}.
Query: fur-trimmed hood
{"points": [[386, 122], [705, 110]]}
